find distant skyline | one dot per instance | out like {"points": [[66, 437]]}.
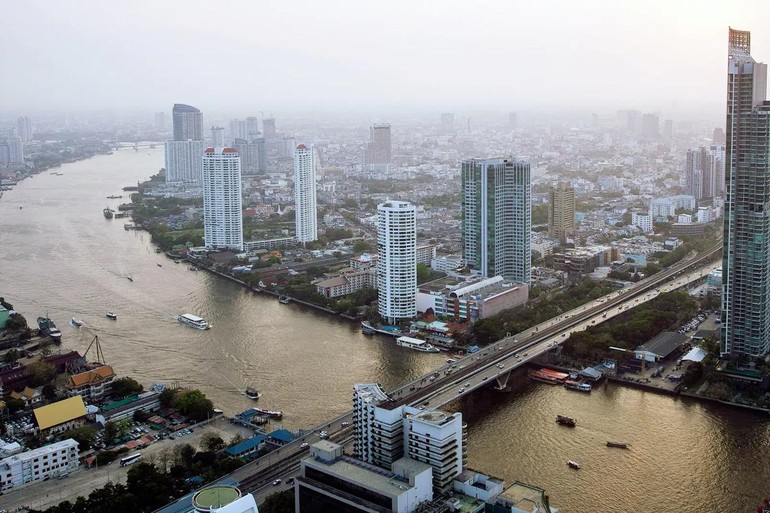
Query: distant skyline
{"points": [[360, 57]]}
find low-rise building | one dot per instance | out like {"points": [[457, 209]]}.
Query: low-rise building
{"points": [[38, 464], [426, 253], [29, 396], [584, 260], [347, 281], [643, 220], [61, 415], [470, 298]]}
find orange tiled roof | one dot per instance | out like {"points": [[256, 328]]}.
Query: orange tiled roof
{"points": [[92, 376]]}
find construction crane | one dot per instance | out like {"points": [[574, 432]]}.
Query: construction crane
{"points": [[98, 348]]}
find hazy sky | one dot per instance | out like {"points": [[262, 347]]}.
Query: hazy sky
{"points": [[360, 55]]}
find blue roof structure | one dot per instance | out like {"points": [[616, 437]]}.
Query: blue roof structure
{"points": [[246, 445], [284, 435]]}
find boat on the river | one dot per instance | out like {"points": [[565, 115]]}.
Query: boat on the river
{"points": [[129, 278], [160, 265], [47, 328], [194, 321], [573, 464], [112, 196], [619, 445], [576, 385], [416, 344], [252, 393], [566, 421], [111, 315], [76, 322], [269, 413], [284, 300], [108, 213]]}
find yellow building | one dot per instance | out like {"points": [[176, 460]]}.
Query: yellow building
{"points": [[60, 416]]}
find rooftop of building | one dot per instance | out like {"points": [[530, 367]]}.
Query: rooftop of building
{"points": [[181, 107], [369, 392], [525, 497], [215, 497], [434, 417], [92, 376], [40, 451], [60, 412], [663, 344]]}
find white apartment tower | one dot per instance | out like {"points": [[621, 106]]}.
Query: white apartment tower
{"points": [[397, 260], [222, 207], [379, 437], [305, 194], [438, 439]]}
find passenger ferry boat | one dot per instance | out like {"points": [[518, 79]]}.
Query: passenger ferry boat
{"points": [[111, 315], [576, 385], [619, 445], [565, 421], [416, 344], [269, 413], [76, 322], [194, 321]]}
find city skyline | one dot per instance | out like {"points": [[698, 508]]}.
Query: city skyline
{"points": [[355, 72]]}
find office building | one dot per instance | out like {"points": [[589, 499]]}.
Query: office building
{"points": [[188, 123], [330, 481], [268, 128], [24, 129], [561, 214], [746, 255], [497, 217], [643, 220], [249, 153], [385, 432], [238, 130], [40, 464], [704, 172], [650, 126], [379, 149], [437, 439], [160, 121], [470, 298], [222, 208], [184, 161], [262, 154], [252, 127], [397, 260], [306, 220], [217, 136]]}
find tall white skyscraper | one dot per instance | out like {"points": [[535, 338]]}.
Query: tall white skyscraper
{"points": [[218, 136], [305, 194], [497, 217], [24, 129], [222, 206], [397, 262], [188, 123]]}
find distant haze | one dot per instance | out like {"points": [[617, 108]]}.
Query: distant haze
{"points": [[248, 56]]}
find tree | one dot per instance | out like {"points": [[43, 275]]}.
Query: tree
{"points": [[41, 372], [83, 435], [49, 392], [14, 405], [280, 502], [167, 397], [212, 442], [124, 387], [151, 488], [11, 356], [195, 405]]}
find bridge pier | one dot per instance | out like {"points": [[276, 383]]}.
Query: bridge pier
{"points": [[501, 381]]}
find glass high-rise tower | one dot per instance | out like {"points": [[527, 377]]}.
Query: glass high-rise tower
{"points": [[497, 217], [746, 257]]}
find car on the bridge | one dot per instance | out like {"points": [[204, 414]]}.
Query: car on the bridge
{"points": [[484, 378], [290, 481], [461, 391], [304, 445], [500, 365], [467, 384], [277, 482], [344, 424], [324, 435]]}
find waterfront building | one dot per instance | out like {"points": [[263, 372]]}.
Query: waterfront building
{"points": [[188, 123], [746, 255], [497, 217], [15, 150], [561, 214], [385, 432], [39, 464], [379, 149], [24, 129], [184, 161], [222, 207], [92, 384], [397, 260], [470, 299], [331, 481], [306, 220], [346, 281], [437, 439]]}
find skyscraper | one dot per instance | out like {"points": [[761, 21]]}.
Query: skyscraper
{"points": [[222, 207], [24, 129], [746, 255], [306, 220], [378, 150], [397, 260], [238, 130], [217, 136], [185, 152], [268, 128], [561, 214], [697, 173], [497, 217], [249, 153], [188, 123], [160, 121]]}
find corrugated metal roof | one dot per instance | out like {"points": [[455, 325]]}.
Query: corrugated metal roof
{"points": [[60, 412]]}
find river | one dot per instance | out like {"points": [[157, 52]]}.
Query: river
{"points": [[58, 255]]}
